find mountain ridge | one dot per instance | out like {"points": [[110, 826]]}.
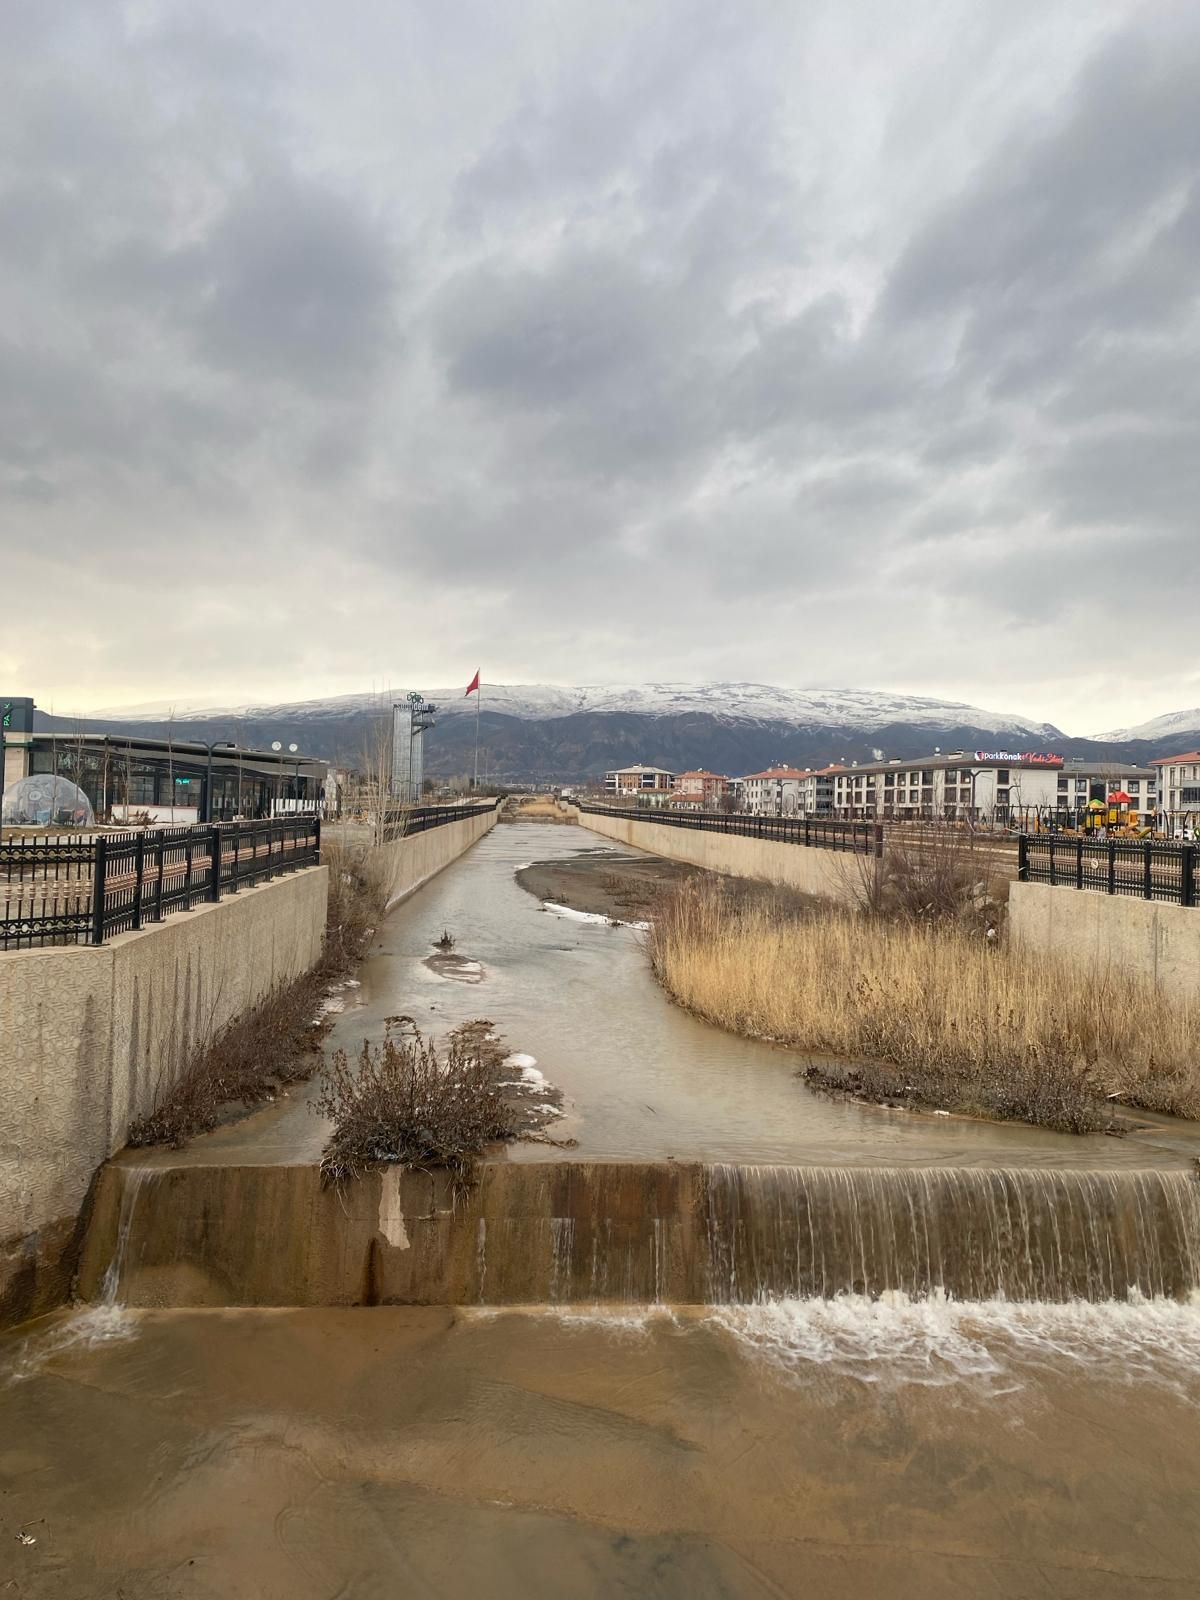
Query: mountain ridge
{"points": [[738, 701], [548, 733]]}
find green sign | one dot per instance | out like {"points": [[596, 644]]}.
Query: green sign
{"points": [[16, 714]]}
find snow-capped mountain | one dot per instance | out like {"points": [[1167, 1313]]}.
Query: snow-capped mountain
{"points": [[555, 732], [865, 710], [1171, 725]]}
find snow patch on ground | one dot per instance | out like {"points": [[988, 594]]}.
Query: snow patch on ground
{"points": [[591, 916]]}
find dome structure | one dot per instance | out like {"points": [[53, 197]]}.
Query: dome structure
{"points": [[44, 801]]}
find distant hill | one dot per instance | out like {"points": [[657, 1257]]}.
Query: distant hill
{"points": [[1169, 734], [549, 733]]}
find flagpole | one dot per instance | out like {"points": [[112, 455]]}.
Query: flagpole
{"points": [[478, 698]]}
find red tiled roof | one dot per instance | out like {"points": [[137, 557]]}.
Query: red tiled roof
{"points": [[777, 772], [1170, 761]]}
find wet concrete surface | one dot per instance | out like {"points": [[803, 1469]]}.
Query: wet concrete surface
{"points": [[429, 1453], [642, 1079]]}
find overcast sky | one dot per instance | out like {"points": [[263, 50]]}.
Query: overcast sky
{"points": [[817, 343]]}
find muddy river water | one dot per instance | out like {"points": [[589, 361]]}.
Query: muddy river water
{"points": [[643, 1079], [819, 1447], [795, 1450]]}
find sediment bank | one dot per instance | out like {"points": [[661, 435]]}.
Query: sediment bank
{"points": [[626, 886]]}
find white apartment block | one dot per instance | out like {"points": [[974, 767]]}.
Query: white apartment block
{"points": [[1179, 783], [788, 792], [773, 793], [649, 784], [988, 786]]}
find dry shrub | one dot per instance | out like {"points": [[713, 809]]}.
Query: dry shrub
{"points": [[358, 895], [277, 1042], [934, 872], [273, 1045], [932, 1014], [405, 1103]]}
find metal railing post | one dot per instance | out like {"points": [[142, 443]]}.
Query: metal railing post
{"points": [[160, 851], [214, 846], [1112, 867], [139, 867], [1022, 859], [1187, 876], [99, 872], [1147, 876], [1079, 863]]}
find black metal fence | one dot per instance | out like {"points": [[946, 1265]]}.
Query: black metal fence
{"points": [[402, 822], [861, 838], [1146, 869], [82, 889]]}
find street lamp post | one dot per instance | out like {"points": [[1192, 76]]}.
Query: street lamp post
{"points": [[217, 744], [293, 749]]}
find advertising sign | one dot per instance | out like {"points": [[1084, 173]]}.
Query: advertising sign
{"points": [[1018, 758]]}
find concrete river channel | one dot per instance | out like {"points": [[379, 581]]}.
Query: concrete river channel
{"points": [[735, 1339]]}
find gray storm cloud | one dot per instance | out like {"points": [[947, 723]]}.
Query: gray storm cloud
{"points": [[670, 341]]}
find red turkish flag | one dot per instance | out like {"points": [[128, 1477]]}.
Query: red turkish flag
{"points": [[473, 685]]}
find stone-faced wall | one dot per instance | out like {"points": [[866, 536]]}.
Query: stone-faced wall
{"points": [[1101, 931], [833, 874], [92, 1038], [410, 862]]}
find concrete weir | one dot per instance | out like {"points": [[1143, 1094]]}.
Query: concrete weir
{"points": [[636, 1233]]}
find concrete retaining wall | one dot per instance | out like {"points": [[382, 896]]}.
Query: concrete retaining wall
{"points": [[834, 874], [408, 863], [1102, 931], [92, 1038]]}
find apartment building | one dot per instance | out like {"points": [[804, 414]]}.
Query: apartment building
{"points": [[1179, 782], [816, 797], [774, 792], [988, 786], [650, 784], [700, 790]]}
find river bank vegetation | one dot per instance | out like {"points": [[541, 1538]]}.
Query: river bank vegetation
{"points": [[278, 1042], [930, 1012], [408, 1103], [534, 808]]}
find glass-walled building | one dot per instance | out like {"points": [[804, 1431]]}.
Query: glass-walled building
{"points": [[130, 779]]}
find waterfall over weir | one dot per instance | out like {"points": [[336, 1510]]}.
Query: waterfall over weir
{"points": [[641, 1233], [975, 1232]]}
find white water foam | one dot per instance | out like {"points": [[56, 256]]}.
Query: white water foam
{"points": [[83, 1330], [895, 1340]]}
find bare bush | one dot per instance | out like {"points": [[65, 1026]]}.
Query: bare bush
{"points": [[934, 872], [930, 1013], [273, 1045], [405, 1103], [278, 1042]]}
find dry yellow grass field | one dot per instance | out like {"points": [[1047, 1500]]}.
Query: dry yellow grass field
{"points": [[538, 808], [932, 1014]]}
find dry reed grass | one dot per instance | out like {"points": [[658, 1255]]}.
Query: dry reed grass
{"points": [[537, 808], [932, 1015]]}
